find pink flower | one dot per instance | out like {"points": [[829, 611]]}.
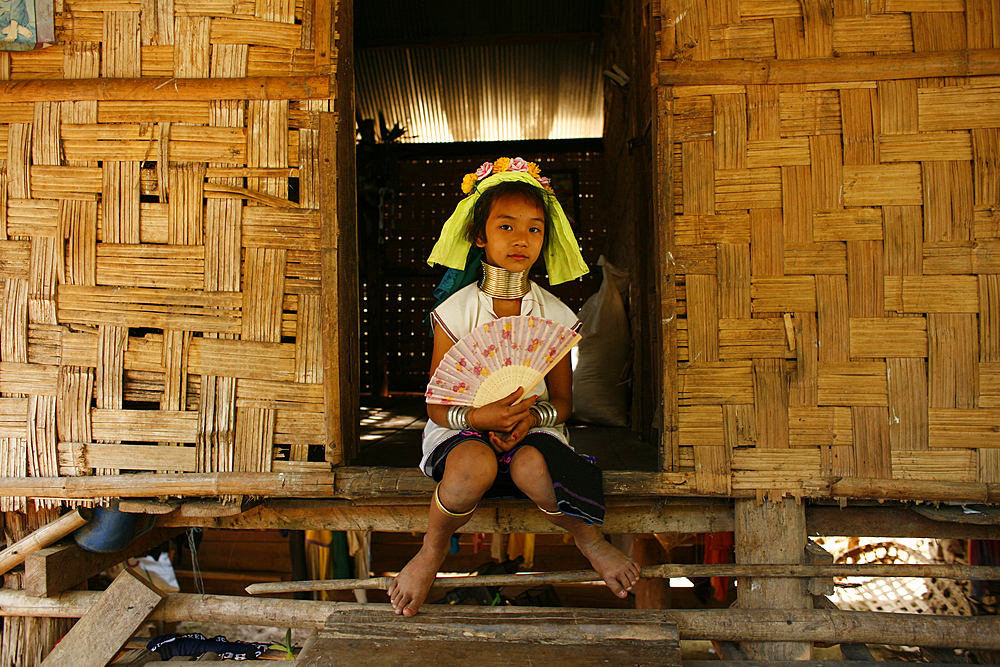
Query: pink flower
{"points": [[545, 181], [484, 170], [518, 164]]}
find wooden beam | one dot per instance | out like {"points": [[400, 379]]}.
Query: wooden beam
{"points": [[799, 663], [520, 624], [164, 89], [144, 485], [331, 652], [816, 625], [405, 515], [772, 533], [666, 290], [390, 484], [625, 516], [43, 537], [53, 570], [893, 489], [886, 520], [217, 508], [966, 62], [108, 624], [339, 260]]}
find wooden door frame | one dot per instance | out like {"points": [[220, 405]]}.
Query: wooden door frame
{"points": [[341, 314]]}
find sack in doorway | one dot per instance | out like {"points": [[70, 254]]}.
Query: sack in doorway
{"points": [[601, 390]]}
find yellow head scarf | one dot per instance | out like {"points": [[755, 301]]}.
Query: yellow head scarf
{"points": [[563, 259]]}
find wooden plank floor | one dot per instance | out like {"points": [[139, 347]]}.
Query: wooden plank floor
{"points": [[391, 428], [501, 636]]}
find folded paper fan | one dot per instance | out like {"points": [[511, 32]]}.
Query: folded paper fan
{"points": [[496, 358]]}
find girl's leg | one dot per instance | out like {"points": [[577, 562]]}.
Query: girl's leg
{"points": [[469, 471], [531, 474]]}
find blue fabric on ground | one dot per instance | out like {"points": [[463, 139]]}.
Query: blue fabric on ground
{"points": [[195, 643]]}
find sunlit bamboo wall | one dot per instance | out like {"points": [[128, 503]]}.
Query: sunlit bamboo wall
{"points": [[836, 241], [160, 239]]}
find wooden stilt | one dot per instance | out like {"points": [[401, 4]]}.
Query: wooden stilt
{"points": [[650, 593], [772, 533]]}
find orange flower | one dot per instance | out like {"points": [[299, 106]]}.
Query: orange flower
{"points": [[468, 183], [534, 169], [501, 164]]}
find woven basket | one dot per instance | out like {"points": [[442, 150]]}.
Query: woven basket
{"points": [[897, 594]]}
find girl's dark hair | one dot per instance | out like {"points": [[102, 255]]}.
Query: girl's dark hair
{"points": [[481, 212]]}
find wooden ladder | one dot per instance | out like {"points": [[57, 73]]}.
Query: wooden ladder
{"points": [[494, 637]]}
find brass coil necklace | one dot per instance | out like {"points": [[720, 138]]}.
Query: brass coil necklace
{"points": [[500, 283]]}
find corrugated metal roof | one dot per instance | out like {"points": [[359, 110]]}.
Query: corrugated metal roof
{"points": [[494, 92]]}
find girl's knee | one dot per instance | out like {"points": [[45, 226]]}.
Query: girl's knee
{"points": [[472, 464], [527, 464]]}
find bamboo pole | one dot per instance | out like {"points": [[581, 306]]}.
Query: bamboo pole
{"points": [[818, 625], [167, 89], [893, 489], [965, 62], [958, 572], [43, 537], [278, 485]]}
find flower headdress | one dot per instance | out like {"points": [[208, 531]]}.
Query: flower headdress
{"points": [[563, 259], [500, 165]]}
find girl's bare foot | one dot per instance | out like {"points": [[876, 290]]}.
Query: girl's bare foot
{"points": [[409, 589], [617, 570]]}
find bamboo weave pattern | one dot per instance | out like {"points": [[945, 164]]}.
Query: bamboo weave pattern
{"points": [[160, 259], [837, 247]]}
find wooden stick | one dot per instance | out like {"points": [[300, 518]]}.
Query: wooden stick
{"points": [[245, 88], [966, 62], [959, 572], [43, 537], [819, 625]]}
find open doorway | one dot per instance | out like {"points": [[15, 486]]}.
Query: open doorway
{"points": [[440, 89]]}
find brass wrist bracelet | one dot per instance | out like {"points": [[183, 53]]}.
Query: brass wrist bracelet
{"points": [[545, 413], [458, 417]]}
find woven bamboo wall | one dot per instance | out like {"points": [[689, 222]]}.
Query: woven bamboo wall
{"points": [[160, 239], [837, 241]]}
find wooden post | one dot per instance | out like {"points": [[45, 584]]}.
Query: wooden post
{"points": [[338, 211], [650, 593], [772, 532]]}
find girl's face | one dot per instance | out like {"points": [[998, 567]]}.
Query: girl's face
{"points": [[515, 230]]}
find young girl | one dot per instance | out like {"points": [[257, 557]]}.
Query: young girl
{"points": [[512, 447]]}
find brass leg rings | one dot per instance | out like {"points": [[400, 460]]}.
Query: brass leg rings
{"points": [[448, 512]]}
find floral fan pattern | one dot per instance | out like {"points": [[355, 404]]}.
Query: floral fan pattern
{"points": [[496, 358]]}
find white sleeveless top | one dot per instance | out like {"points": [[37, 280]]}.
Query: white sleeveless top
{"points": [[468, 308]]}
